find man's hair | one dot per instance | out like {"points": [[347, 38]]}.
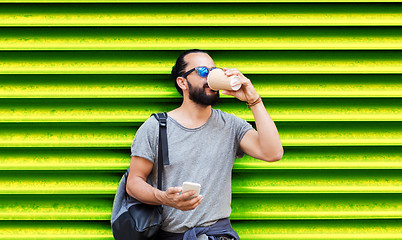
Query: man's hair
{"points": [[178, 68]]}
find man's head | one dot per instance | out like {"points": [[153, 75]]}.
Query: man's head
{"points": [[192, 82]]}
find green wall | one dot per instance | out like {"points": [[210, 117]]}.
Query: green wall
{"points": [[77, 78]]}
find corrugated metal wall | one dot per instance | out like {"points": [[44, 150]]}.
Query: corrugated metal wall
{"points": [[78, 78]]}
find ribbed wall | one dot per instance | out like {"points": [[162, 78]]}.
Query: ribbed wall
{"points": [[78, 78]]}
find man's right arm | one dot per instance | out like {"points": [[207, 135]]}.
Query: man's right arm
{"points": [[137, 187]]}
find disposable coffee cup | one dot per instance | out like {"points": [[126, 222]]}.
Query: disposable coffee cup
{"points": [[217, 80]]}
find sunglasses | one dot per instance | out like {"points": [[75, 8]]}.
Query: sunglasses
{"points": [[202, 71]]}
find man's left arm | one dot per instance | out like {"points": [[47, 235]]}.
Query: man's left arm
{"points": [[264, 143]]}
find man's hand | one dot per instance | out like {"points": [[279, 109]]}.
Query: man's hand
{"points": [[247, 92], [172, 198]]}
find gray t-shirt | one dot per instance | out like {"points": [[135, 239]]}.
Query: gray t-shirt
{"points": [[203, 155]]}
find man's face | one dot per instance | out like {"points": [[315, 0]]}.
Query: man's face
{"points": [[198, 89]]}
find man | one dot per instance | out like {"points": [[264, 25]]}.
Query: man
{"points": [[203, 143]]}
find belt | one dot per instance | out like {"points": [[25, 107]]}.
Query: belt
{"points": [[222, 229]]}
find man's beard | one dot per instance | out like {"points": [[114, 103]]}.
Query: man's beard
{"points": [[199, 96]]}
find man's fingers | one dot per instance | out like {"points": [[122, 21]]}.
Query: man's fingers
{"points": [[183, 201], [173, 190], [234, 71], [228, 92], [186, 195], [192, 203], [196, 201]]}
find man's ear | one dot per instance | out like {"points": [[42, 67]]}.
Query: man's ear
{"points": [[182, 83]]}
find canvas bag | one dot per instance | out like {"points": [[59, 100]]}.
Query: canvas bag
{"points": [[132, 219]]}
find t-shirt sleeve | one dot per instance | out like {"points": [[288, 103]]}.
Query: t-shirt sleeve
{"points": [[145, 140], [241, 127]]}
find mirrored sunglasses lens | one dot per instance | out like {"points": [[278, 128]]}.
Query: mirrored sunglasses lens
{"points": [[203, 71]]}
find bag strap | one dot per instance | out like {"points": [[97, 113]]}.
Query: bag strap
{"points": [[163, 156]]}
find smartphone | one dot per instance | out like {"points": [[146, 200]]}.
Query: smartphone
{"points": [[188, 186]]}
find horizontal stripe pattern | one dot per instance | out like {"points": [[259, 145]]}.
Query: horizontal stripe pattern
{"points": [[116, 110], [272, 229], [269, 14], [147, 86], [213, 38], [244, 207], [292, 134], [78, 78], [188, 1], [267, 182], [349, 157], [249, 62]]}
